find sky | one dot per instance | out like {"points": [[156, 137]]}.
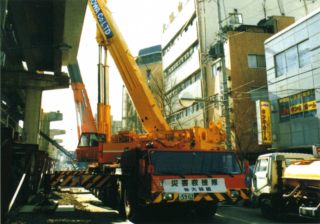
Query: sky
{"points": [[140, 22]]}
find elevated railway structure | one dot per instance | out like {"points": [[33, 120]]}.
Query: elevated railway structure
{"points": [[37, 39]]}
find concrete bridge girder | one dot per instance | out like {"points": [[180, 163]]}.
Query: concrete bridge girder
{"points": [[33, 84]]}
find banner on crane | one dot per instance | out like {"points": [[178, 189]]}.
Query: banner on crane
{"points": [[95, 6], [264, 122]]}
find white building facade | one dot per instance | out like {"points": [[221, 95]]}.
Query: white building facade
{"points": [[181, 66], [293, 74]]}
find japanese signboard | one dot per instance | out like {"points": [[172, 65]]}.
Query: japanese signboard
{"points": [[195, 185], [309, 103], [264, 122], [284, 109], [298, 105]]}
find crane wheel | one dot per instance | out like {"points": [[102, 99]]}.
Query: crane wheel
{"points": [[128, 208]]}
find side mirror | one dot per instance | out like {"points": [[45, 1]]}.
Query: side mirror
{"points": [[246, 166]]}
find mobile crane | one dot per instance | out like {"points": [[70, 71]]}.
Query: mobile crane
{"points": [[186, 168], [86, 125]]}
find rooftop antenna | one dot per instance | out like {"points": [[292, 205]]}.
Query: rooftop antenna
{"points": [[264, 9], [281, 9]]}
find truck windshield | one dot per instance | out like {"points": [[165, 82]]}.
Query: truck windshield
{"points": [[188, 163]]}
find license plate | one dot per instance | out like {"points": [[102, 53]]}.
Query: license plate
{"points": [[186, 197]]}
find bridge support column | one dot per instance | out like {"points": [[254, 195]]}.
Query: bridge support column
{"points": [[32, 115], [34, 84]]}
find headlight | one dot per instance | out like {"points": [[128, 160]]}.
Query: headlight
{"points": [[234, 193], [167, 196]]}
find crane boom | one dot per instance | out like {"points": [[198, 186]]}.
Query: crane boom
{"points": [[145, 104], [162, 166], [85, 120]]}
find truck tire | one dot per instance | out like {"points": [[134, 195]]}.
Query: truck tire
{"points": [[119, 201], [268, 208], [128, 207]]}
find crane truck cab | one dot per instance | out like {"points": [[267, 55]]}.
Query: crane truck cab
{"points": [[187, 179], [88, 146], [272, 189]]}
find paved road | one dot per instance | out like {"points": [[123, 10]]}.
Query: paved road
{"points": [[84, 208], [245, 215], [229, 214]]}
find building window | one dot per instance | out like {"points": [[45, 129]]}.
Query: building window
{"points": [[281, 66], [256, 61], [181, 60], [216, 68], [293, 58], [303, 51]]}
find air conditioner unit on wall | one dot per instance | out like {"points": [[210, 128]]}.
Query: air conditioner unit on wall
{"points": [[216, 50]]}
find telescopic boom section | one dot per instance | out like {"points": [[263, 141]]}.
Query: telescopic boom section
{"points": [[144, 102], [85, 119]]}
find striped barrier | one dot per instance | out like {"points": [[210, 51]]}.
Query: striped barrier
{"points": [[98, 183], [79, 179], [229, 196]]}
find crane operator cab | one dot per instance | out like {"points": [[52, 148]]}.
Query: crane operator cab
{"points": [[87, 150]]}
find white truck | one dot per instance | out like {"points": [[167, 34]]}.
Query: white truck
{"points": [[287, 183]]}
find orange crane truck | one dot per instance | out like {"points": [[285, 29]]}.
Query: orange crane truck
{"points": [[188, 168], [86, 125]]}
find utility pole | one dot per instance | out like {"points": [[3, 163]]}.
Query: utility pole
{"points": [[225, 82], [305, 7]]}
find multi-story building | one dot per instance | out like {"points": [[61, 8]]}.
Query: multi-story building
{"points": [[246, 76], [293, 74], [191, 71], [187, 40], [149, 61], [182, 67]]}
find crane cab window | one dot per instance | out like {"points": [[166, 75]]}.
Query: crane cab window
{"points": [[84, 140], [91, 139]]}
